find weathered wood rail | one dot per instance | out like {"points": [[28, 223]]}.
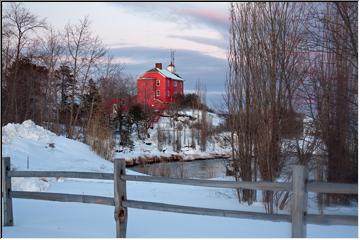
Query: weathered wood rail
{"points": [[299, 186], [63, 197], [58, 174]]}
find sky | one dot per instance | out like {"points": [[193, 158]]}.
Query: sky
{"points": [[140, 34]]}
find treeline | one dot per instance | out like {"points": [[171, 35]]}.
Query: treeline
{"points": [[60, 80], [285, 59]]}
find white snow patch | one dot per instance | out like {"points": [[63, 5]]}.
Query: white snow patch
{"points": [[31, 184], [27, 145], [27, 130]]}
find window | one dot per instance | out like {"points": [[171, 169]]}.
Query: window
{"points": [[157, 82], [158, 93], [175, 83]]}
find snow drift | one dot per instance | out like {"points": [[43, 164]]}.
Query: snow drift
{"points": [[31, 147], [27, 130]]}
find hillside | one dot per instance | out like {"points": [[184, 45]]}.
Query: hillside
{"points": [[32, 147], [174, 137]]}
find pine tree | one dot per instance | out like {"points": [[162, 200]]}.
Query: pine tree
{"points": [[65, 79]]}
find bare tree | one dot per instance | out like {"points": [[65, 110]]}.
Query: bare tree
{"points": [[161, 138], [83, 50], [334, 85], [179, 127], [113, 83], [50, 52], [19, 22], [263, 60], [204, 126]]}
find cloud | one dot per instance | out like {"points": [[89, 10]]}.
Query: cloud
{"points": [[203, 40], [186, 14], [180, 43], [126, 60], [199, 27], [213, 18]]}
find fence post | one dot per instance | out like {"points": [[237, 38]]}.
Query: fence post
{"points": [[119, 197], [299, 202], [6, 190]]}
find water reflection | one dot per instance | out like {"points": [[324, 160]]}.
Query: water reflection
{"points": [[203, 169]]}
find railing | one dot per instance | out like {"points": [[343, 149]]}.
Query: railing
{"points": [[8, 193], [299, 186]]}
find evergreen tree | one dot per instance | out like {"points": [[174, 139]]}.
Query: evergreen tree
{"points": [[65, 79]]}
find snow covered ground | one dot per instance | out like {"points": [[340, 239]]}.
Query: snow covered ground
{"points": [[34, 218], [53, 219], [216, 145]]}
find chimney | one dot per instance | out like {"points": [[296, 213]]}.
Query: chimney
{"points": [[158, 65]]}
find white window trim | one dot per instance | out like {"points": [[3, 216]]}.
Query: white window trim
{"points": [[158, 82], [157, 93]]}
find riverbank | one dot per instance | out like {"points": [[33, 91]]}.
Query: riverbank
{"points": [[175, 138], [150, 159]]}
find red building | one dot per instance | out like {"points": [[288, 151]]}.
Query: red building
{"points": [[157, 87]]}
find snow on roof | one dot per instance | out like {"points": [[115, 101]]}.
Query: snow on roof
{"points": [[167, 74]]}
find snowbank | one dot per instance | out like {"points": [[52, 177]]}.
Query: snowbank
{"points": [[31, 147], [27, 130]]}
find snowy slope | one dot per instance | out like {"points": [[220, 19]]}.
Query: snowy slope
{"points": [[35, 218], [28, 145], [28, 141]]}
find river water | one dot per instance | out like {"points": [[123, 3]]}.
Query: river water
{"points": [[202, 169]]}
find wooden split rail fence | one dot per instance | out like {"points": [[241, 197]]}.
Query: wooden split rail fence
{"points": [[299, 186]]}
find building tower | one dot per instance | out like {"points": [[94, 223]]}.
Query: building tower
{"points": [[171, 67]]}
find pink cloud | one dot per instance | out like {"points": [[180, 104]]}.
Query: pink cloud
{"points": [[205, 14]]}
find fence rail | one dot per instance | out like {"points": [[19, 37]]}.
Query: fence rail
{"points": [[330, 219], [273, 186], [299, 186], [206, 211], [63, 197], [322, 187], [59, 174]]}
